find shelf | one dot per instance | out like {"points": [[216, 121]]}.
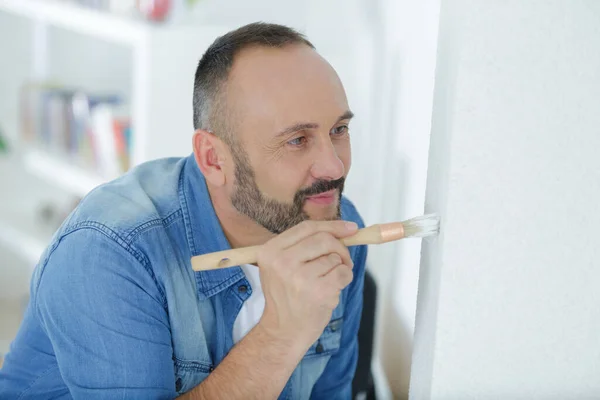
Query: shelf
{"points": [[80, 19], [67, 176], [25, 244], [21, 196]]}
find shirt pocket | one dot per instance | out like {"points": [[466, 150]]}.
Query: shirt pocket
{"points": [[189, 374], [329, 341]]}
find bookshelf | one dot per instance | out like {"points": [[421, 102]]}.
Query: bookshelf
{"points": [[161, 62], [23, 195], [62, 173], [80, 19]]}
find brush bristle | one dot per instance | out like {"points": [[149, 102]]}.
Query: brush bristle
{"points": [[423, 226]]}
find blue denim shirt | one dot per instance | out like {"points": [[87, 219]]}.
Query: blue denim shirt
{"points": [[117, 312]]}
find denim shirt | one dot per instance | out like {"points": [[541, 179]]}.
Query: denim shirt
{"points": [[117, 312]]}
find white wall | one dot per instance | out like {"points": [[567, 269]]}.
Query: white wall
{"points": [[406, 91], [508, 296]]}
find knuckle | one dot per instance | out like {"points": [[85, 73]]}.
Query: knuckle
{"points": [[263, 256], [323, 237], [349, 277], [319, 242], [339, 247], [334, 259], [339, 273], [325, 261], [348, 259], [332, 240], [327, 242], [344, 275], [306, 227], [343, 249]]}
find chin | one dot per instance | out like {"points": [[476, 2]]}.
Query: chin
{"points": [[329, 214]]}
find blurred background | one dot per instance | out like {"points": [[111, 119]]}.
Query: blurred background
{"points": [[90, 88]]}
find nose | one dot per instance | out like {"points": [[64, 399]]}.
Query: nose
{"points": [[327, 164]]}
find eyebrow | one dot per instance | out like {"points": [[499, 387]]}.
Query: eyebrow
{"points": [[311, 125]]}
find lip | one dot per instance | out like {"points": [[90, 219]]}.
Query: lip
{"points": [[323, 198]]}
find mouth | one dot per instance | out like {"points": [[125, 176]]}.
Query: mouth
{"points": [[325, 198]]}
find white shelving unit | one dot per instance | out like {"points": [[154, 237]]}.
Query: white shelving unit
{"points": [[63, 174], [79, 19], [163, 61], [21, 199]]}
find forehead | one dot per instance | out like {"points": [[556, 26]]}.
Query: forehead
{"points": [[272, 88]]}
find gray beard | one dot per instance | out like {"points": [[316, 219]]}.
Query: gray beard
{"points": [[273, 215]]}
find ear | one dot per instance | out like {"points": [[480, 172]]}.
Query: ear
{"points": [[209, 155]]}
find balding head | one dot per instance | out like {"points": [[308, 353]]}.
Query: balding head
{"points": [[212, 73], [281, 111]]}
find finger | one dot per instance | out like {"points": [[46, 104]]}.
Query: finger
{"points": [[295, 234], [321, 266], [338, 278], [318, 245]]}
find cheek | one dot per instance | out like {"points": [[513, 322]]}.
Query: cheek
{"points": [[281, 182], [344, 153]]}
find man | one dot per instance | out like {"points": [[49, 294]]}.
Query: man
{"points": [[116, 310]]}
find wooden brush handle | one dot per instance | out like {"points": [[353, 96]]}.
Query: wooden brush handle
{"points": [[373, 234], [225, 258]]}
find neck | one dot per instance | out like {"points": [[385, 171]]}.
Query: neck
{"points": [[240, 230]]}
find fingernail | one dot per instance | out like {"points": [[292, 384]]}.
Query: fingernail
{"points": [[351, 226]]}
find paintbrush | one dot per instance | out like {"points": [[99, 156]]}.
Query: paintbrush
{"points": [[419, 227]]}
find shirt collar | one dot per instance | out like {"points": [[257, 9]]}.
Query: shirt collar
{"points": [[203, 230]]}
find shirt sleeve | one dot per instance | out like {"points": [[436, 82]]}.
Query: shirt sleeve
{"points": [[336, 380], [105, 317]]}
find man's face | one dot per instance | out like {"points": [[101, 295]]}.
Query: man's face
{"points": [[293, 147]]}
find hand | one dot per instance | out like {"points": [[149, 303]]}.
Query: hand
{"points": [[303, 271]]}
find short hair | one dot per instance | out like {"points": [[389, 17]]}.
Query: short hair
{"points": [[214, 67]]}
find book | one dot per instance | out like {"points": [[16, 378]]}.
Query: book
{"points": [[91, 130]]}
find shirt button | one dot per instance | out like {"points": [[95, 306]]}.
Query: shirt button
{"points": [[319, 349], [242, 289], [211, 369], [178, 385]]}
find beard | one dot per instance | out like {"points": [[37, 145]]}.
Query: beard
{"points": [[273, 215]]}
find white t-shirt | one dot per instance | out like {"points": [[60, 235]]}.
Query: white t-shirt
{"points": [[253, 307]]}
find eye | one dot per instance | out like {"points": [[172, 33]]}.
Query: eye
{"points": [[299, 141], [340, 130]]}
